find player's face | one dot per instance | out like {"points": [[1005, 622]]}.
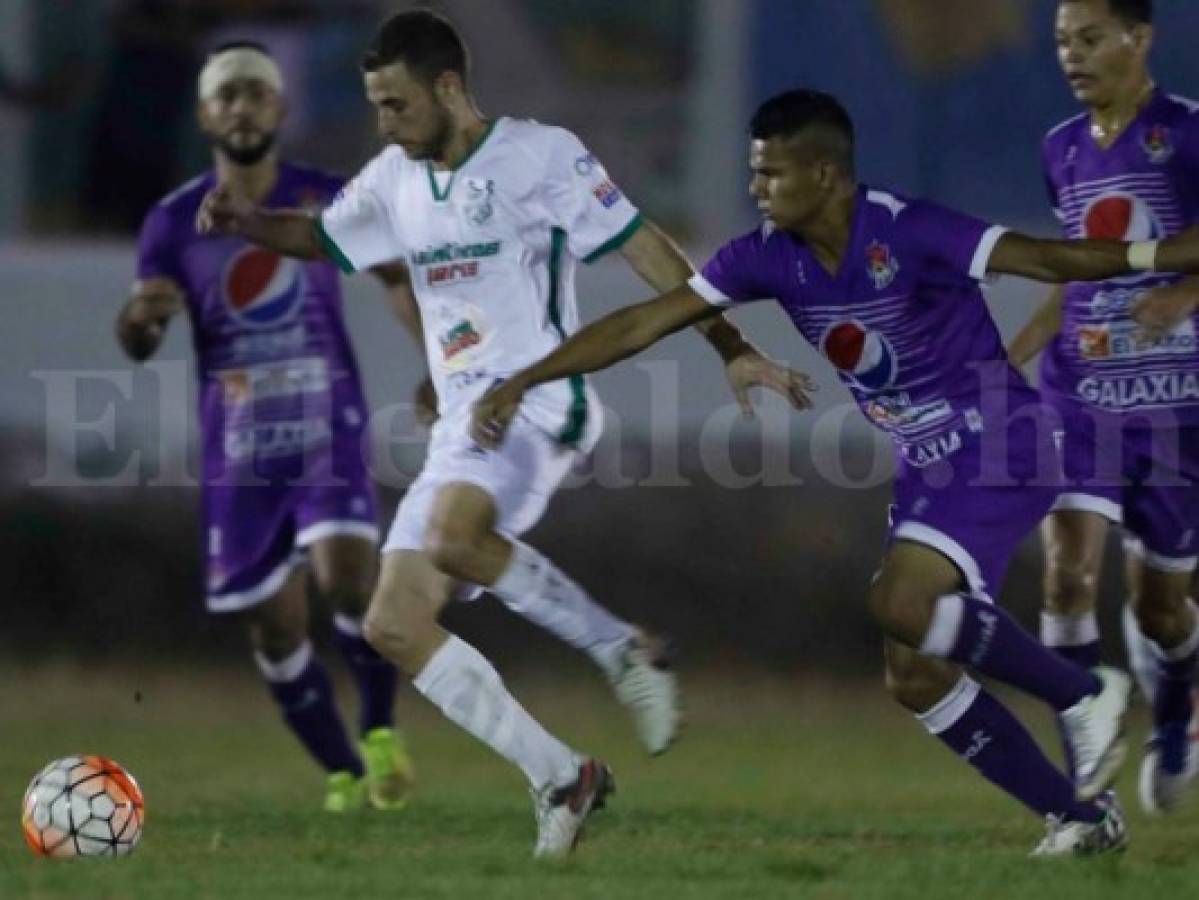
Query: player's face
{"points": [[242, 119], [1101, 54], [411, 114], [788, 181]]}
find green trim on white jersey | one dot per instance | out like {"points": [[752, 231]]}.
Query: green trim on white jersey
{"points": [[576, 416], [618, 241], [332, 250], [441, 196]]}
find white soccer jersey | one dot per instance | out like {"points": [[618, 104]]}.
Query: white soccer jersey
{"points": [[492, 248]]}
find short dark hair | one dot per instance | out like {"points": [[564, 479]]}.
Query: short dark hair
{"points": [[789, 113], [240, 45], [423, 41], [1133, 12]]}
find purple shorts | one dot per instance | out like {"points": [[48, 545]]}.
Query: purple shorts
{"points": [[256, 534], [977, 503], [1140, 470]]}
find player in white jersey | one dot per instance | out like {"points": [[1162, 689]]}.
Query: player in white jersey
{"points": [[492, 217]]}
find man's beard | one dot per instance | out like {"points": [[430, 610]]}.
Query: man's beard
{"points": [[247, 154], [434, 147]]}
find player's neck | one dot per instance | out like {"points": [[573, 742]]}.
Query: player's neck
{"points": [[253, 182], [828, 235], [1108, 121], [463, 141]]}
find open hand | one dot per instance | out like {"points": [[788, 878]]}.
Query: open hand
{"points": [[755, 370], [223, 212], [1161, 309]]}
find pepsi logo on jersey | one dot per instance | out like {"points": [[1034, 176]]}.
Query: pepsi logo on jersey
{"points": [[860, 354], [262, 289], [1121, 216]]}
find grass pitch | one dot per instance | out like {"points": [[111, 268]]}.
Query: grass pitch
{"points": [[795, 787]]}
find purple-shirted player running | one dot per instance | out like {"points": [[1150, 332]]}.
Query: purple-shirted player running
{"points": [[282, 416], [1122, 370], [887, 288]]}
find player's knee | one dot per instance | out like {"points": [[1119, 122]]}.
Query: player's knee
{"points": [[453, 552], [401, 629], [900, 611], [276, 639], [345, 592], [1161, 616], [1070, 587], [918, 683]]}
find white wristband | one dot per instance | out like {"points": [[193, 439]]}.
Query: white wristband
{"points": [[1142, 256]]}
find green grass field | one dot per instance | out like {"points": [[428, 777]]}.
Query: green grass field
{"points": [[781, 788]]}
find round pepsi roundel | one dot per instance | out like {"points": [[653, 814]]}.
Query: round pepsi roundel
{"points": [[861, 354], [261, 288]]}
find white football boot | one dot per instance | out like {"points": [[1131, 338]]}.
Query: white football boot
{"points": [[1063, 838], [1169, 769], [1095, 729], [646, 686], [561, 812]]}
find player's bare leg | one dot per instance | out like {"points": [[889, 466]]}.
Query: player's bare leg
{"points": [[917, 599], [980, 730], [1167, 620], [463, 543], [402, 625], [1073, 541], [301, 687], [343, 570]]}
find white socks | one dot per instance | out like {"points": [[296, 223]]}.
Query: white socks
{"points": [[467, 688], [534, 588], [1058, 630]]}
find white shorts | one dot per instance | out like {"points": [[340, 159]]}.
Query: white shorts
{"points": [[521, 477]]}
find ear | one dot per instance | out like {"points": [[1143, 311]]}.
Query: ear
{"points": [[1142, 38], [201, 118], [447, 88]]}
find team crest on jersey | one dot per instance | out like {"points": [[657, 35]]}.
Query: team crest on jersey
{"points": [[479, 194], [262, 289], [1158, 144], [881, 266], [860, 354]]}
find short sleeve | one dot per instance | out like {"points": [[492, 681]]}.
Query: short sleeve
{"points": [[950, 239], [156, 247], [583, 200], [736, 273], [356, 229]]}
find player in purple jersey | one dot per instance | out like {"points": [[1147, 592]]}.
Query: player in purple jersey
{"points": [[1122, 370], [283, 417], [887, 288]]}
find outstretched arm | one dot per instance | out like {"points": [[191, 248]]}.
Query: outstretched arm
{"points": [[286, 231], [662, 265], [1057, 261], [597, 346]]}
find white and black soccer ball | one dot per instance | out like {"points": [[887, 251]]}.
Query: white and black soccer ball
{"points": [[83, 806]]}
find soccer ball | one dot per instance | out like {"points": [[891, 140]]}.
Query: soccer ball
{"points": [[82, 806]]}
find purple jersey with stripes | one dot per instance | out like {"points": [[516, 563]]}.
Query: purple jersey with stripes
{"points": [[903, 320], [1145, 186], [280, 393]]}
